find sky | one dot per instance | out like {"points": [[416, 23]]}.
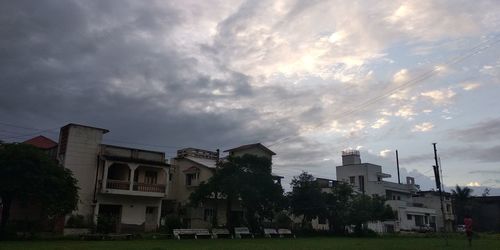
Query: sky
{"points": [[308, 79]]}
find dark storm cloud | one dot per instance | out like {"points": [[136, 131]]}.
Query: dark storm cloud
{"points": [[106, 63], [482, 131]]}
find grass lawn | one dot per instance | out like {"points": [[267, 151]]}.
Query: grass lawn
{"points": [[388, 243]]}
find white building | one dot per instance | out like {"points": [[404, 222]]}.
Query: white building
{"points": [[367, 178], [125, 183], [431, 199]]}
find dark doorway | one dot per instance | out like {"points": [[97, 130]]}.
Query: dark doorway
{"points": [[109, 218]]}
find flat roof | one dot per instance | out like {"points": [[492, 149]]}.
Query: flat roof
{"points": [[104, 131], [129, 148]]}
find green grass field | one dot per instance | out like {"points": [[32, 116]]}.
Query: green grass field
{"points": [[399, 243]]}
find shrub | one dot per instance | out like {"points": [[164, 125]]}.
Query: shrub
{"points": [[106, 224], [76, 221], [281, 220], [171, 222]]}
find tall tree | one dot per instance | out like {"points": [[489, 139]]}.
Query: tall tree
{"points": [[247, 180], [461, 201], [338, 203], [306, 199], [29, 175]]}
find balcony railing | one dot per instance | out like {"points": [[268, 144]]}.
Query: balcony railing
{"points": [[118, 184], [140, 187], [143, 187]]}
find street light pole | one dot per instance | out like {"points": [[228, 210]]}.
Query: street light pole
{"points": [[439, 187]]}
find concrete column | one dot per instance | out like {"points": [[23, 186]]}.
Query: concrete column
{"points": [[158, 214], [165, 173], [132, 168], [96, 213], [105, 175]]}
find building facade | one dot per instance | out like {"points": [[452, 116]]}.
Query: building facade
{"points": [[193, 166], [126, 184], [431, 199]]}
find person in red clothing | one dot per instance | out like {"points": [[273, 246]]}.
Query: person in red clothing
{"points": [[468, 228]]}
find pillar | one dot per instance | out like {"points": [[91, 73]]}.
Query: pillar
{"points": [[132, 168], [105, 174]]}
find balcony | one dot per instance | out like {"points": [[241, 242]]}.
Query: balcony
{"points": [[118, 184], [136, 180], [137, 189], [144, 187]]}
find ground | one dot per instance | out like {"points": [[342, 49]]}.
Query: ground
{"points": [[388, 243]]}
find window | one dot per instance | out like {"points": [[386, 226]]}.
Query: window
{"points": [[208, 214], [352, 180], [408, 216], [448, 208], [432, 220], [151, 177], [419, 220], [191, 179], [361, 183], [150, 210]]}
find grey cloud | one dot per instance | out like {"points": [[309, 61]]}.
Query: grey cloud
{"points": [[474, 153], [485, 172], [104, 63], [478, 132]]}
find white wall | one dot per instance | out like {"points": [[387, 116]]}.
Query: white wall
{"points": [[133, 208], [81, 159]]}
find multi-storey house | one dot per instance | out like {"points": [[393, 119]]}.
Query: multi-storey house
{"points": [[126, 184]]}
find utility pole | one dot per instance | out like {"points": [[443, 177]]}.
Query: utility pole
{"points": [[397, 164], [439, 187]]}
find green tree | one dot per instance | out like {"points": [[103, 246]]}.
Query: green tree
{"points": [[29, 175], [461, 201], [338, 203], [365, 209], [247, 180], [282, 220], [306, 199]]}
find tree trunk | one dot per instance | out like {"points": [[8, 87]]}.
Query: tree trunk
{"points": [[215, 221], [229, 222], [6, 203]]}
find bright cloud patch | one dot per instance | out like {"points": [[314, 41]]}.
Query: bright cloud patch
{"points": [[401, 76], [384, 152], [423, 127], [470, 86], [337, 37], [406, 112], [473, 184], [439, 96], [380, 123]]}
